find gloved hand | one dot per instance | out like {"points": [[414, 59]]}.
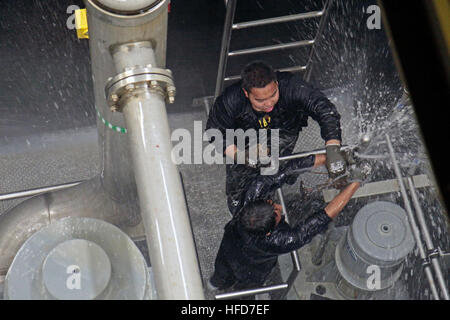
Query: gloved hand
{"points": [[335, 162], [359, 172], [264, 185], [349, 156]]}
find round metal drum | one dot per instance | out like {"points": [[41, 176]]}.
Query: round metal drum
{"points": [[78, 259], [375, 246]]}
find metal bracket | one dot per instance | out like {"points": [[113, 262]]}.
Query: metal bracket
{"points": [[443, 254], [434, 254]]}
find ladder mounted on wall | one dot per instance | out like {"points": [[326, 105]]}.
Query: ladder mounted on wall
{"points": [[229, 26]]}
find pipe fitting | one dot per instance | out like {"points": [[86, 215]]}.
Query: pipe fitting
{"points": [[126, 82]]}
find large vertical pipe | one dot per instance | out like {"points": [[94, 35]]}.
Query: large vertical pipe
{"points": [[146, 145], [113, 22], [163, 207], [119, 33], [161, 197]]}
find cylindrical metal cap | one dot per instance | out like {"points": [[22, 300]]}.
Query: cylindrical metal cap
{"points": [[381, 232], [92, 268], [126, 5]]}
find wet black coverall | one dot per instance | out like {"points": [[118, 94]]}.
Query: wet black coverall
{"points": [[297, 101], [245, 259]]}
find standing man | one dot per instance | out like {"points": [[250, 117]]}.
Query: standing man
{"points": [[264, 99]]}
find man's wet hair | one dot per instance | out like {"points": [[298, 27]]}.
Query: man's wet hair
{"points": [[257, 74], [258, 217]]}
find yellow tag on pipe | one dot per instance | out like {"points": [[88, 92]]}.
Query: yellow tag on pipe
{"points": [[81, 24]]}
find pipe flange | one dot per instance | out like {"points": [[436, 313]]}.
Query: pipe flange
{"points": [[124, 83]]}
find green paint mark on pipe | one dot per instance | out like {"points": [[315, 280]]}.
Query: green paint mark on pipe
{"points": [[110, 125]]}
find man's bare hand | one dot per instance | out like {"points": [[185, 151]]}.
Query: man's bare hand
{"points": [[276, 207]]}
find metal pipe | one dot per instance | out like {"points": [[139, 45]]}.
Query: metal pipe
{"points": [[36, 191], [161, 196], [262, 22], [411, 219], [428, 240], [249, 292], [281, 46], [225, 47], [310, 153], [294, 254], [169, 237]]}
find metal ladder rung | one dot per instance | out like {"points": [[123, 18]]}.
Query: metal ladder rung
{"points": [[272, 48], [293, 69], [231, 78], [290, 69], [262, 22], [243, 293]]}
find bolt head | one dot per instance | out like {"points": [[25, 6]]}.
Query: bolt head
{"points": [[171, 94], [114, 97], [130, 87]]}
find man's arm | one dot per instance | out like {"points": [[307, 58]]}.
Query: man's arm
{"points": [[332, 141], [221, 117], [319, 160], [285, 240], [339, 202], [315, 104], [230, 151]]}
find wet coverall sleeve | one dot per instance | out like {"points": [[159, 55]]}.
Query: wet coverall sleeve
{"points": [[316, 105], [221, 118]]}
